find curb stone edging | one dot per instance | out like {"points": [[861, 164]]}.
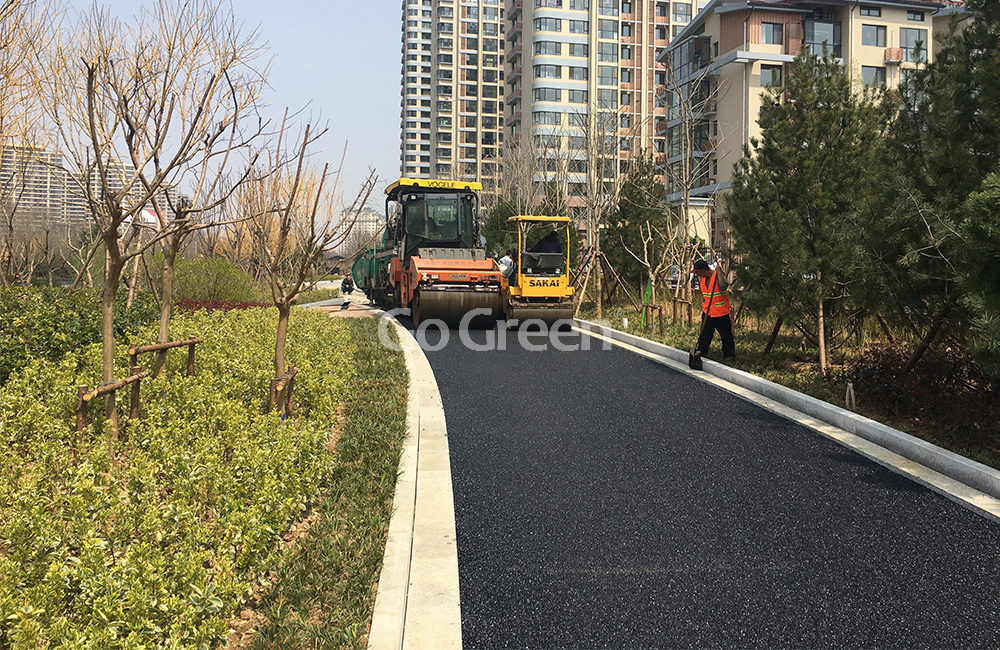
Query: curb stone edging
{"points": [[417, 604], [969, 472]]}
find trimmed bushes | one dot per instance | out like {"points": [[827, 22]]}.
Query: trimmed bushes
{"points": [[158, 549]]}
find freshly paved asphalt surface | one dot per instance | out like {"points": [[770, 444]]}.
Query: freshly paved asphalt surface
{"points": [[606, 501]]}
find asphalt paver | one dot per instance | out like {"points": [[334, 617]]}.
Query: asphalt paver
{"points": [[604, 500]]}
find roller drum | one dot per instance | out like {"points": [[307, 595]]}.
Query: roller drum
{"points": [[451, 305]]}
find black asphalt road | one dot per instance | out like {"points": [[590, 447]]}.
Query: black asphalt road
{"points": [[606, 501]]}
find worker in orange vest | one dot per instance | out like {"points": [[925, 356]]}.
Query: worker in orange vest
{"points": [[715, 310]]}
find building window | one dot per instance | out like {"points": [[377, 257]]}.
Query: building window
{"points": [[470, 43], [578, 49], [626, 29], [607, 98], [660, 33], [446, 43], [547, 94], [444, 106], [873, 35], [607, 7], [626, 99], [578, 73], [607, 51], [626, 7], [471, 58], [443, 90], [576, 143], [913, 42], [579, 27], [545, 117], [626, 76], [626, 122], [817, 33], [871, 11], [872, 76], [548, 24], [491, 45], [442, 152], [550, 47], [770, 34], [607, 75], [607, 29], [578, 97], [682, 12], [445, 28], [548, 72], [626, 53], [915, 15], [676, 29], [579, 5], [555, 4], [770, 75], [444, 121]]}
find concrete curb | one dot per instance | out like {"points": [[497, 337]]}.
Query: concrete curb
{"points": [[418, 603], [975, 475]]}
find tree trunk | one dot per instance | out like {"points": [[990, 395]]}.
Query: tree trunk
{"points": [[774, 335], [163, 336], [284, 310], [108, 292], [885, 329], [597, 278], [822, 341], [926, 341]]}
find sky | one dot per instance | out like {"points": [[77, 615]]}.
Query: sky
{"points": [[339, 60]]}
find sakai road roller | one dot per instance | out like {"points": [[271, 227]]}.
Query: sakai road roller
{"points": [[539, 286], [430, 258]]}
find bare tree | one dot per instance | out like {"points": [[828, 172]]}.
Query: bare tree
{"points": [[138, 108], [296, 220], [691, 96], [22, 29]]}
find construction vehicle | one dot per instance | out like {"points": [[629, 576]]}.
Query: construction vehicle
{"points": [[539, 286], [430, 258]]}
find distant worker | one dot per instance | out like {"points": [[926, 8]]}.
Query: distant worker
{"points": [[506, 264], [714, 311], [548, 244], [347, 285]]}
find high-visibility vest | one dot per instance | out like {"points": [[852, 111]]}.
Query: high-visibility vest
{"points": [[717, 301]]}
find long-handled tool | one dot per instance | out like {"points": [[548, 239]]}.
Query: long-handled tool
{"points": [[694, 356]]}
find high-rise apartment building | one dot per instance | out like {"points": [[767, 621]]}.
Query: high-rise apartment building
{"points": [[581, 84], [31, 187], [451, 114]]}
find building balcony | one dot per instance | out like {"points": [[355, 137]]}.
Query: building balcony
{"points": [[708, 145], [515, 10], [514, 30], [661, 126], [514, 73], [513, 54], [894, 55], [515, 118]]}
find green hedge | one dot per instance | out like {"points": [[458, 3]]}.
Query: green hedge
{"points": [[161, 548], [46, 322]]}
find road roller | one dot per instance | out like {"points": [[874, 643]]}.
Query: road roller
{"points": [[538, 286], [430, 258]]}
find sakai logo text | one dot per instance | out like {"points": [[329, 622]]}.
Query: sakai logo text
{"points": [[543, 283]]}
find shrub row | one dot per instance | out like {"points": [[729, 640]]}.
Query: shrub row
{"points": [[157, 549], [46, 322]]}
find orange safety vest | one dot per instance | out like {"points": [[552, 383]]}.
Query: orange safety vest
{"points": [[716, 302]]}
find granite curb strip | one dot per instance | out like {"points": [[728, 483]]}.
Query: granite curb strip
{"points": [[417, 605], [975, 475]]}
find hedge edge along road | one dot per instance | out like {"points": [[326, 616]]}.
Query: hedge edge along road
{"points": [[430, 257]]}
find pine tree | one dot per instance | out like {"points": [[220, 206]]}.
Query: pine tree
{"points": [[793, 195]]}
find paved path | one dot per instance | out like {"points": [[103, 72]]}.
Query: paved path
{"points": [[604, 500]]}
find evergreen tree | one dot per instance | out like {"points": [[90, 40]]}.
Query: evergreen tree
{"points": [[923, 232], [792, 198], [639, 202]]}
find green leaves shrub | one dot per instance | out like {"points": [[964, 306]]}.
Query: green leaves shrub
{"points": [[158, 549], [47, 322]]}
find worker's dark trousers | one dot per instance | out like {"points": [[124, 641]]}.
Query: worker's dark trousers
{"points": [[724, 324]]}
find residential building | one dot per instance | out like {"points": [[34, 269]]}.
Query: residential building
{"points": [[576, 67], [451, 116], [735, 51], [31, 189]]}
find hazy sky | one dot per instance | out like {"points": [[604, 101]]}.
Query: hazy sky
{"points": [[338, 59]]}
